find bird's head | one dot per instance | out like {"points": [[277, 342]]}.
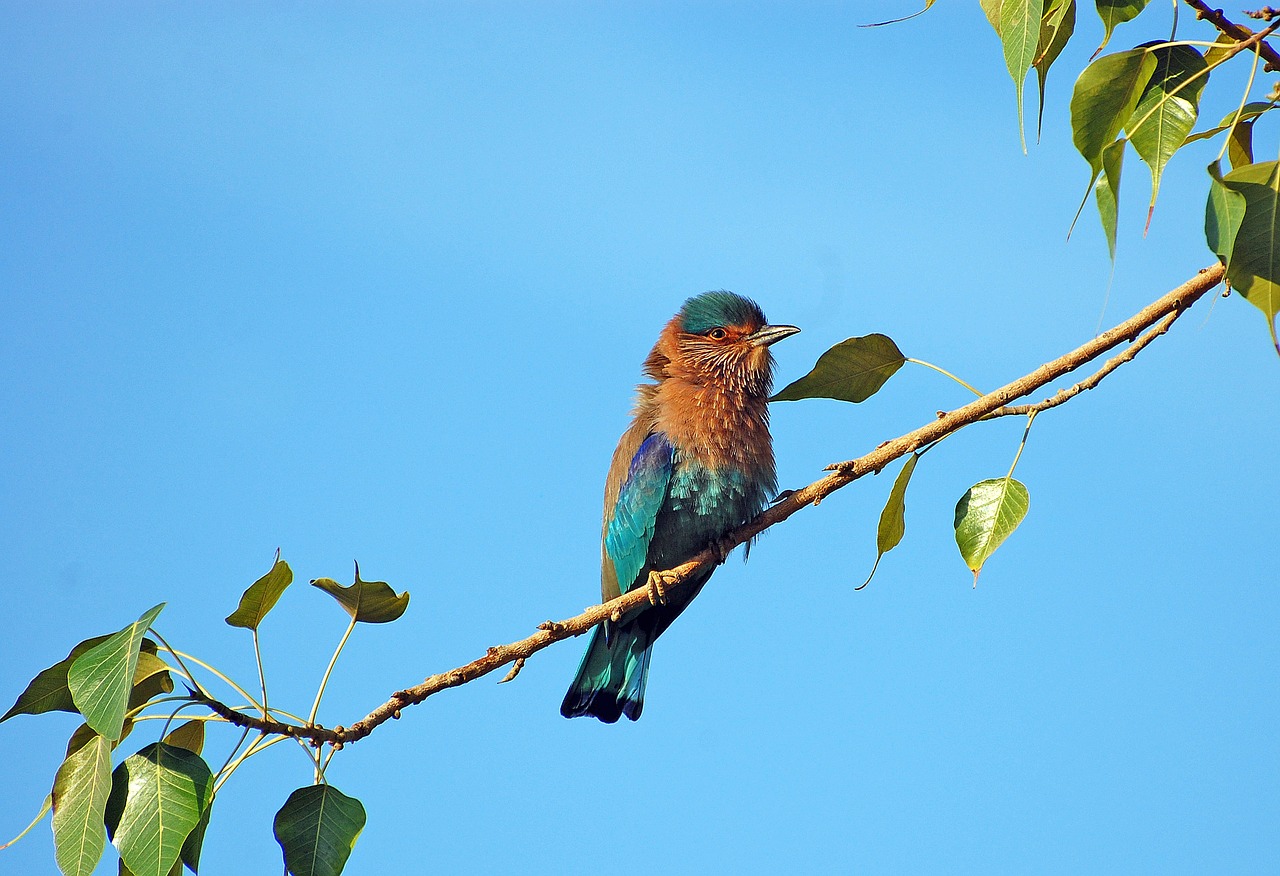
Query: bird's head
{"points": [[718, 338]]}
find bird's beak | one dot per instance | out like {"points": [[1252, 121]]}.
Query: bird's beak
{"points": [[771, 334]]}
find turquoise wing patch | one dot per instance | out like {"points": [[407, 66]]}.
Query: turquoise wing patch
{"points": [[635, 515]]}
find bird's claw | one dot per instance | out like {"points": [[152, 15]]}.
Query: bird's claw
{"points": [[721, 548], [657, 586]]}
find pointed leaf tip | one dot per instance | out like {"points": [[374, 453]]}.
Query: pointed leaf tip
{"points": [[262, 596], [986, 515], [370, 602], [101, 679]]}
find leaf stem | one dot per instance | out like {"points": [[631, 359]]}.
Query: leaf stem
{"points": [[1244, 98], [946, 373], [238, 689], [315, 707], [262, 676], [178, 655]]}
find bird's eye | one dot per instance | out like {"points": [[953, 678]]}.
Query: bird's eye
{"points": [[717, 334]]}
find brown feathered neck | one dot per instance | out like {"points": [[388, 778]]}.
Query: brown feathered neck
{"points": [[711, 396]]}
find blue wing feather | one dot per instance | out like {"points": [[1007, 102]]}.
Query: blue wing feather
{"points": [[635, 514]]}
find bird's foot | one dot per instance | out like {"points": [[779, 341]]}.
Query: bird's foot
{"points": [[657, 586]]}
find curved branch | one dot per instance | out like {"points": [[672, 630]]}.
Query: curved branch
{"points": [[1237, 31], [1159, 314]]}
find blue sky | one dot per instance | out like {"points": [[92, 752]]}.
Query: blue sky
{"points": [[375, 283]]}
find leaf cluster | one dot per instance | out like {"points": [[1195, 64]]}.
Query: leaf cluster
{"points": [[155, 805]]}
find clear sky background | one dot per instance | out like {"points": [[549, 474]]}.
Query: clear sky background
{"points": [[374, 282]]}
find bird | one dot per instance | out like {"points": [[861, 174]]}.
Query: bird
{"points": [[696, 462]]}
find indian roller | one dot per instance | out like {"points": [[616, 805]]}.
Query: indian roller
{"points": [[696, 462]]}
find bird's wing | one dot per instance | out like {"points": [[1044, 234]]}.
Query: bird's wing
{"points": [[629, 523]]}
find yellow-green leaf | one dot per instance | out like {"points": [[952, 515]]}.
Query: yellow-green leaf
{"points": [[1020, 33], [101, 679], [80, 791], [893, 519], [1116, 12], [985, 516], [261, 596], [1254, 266], [1108, 192], [1103, 101], [1222, 215], [1056, 28], [1167, 110]]}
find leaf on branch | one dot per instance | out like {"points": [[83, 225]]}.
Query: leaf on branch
{"points": [[1167, 110], [1108, 192], [853, 370], [1254, 265], [1248, 113], [1056, 28], [369, 602], [158, 797], [893, 520], [317, 828], [1020, 22], [84, 733], [48, 691], [1104, 99], [101, 679], [261, 596], [985, 516], [1117, 12], [80, 791], [189, 736], [1222, 215]]}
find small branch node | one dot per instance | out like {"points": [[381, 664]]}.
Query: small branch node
{"points": [[515, 670]]}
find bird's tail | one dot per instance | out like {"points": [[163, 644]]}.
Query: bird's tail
{"points": [[610, 680]]}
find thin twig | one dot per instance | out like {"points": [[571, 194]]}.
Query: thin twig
{"points": [[1236, 32], [1090, 382], [842, 474]]}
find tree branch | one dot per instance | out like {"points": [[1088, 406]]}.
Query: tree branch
{"points": [[1159, 314], [1237, 32]]}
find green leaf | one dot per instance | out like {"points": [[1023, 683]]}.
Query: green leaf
{"points": [[158, 797], [1117, 12], [853, 370], [189, 736], [261, 596], [317, 828], [1254, 266], [44, 810], [1249, 112], [1167, 110], [191, 846], [1056, 28], [1108, 192], [1103, 101], [985, 516], [1222, 215], [893, 519], [1221, 46], [1020, 32], [992, 10], [48, 691], [1240, 145], [80, 791], [369, 602], [101, 678], [84, 733]]}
